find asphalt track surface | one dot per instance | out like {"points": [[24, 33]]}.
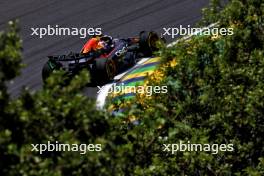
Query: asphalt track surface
{"points": [[119, 18]]}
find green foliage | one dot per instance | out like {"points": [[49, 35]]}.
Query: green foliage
{"points": [[54, 114], [10, 58], [215, 95], [10, 47]]}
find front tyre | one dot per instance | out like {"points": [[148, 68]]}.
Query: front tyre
{"points": [[148, 42]]}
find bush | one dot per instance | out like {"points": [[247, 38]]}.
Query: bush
{"points": [[215, 96]]}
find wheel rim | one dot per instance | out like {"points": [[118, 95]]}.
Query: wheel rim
{"points": [[110, 69], [152, 40]]}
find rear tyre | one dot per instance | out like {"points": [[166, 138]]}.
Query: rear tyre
{"points": [[104, 71], [47, 70]]}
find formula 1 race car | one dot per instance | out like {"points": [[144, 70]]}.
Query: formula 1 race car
{"points": [[104, 65]]}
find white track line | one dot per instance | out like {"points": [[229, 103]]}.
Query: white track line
{"points": [[100, 101]]}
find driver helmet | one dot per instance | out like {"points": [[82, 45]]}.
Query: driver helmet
{"points": [[108, 40], [101, 44]]}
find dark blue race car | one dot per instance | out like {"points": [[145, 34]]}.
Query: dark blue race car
{"points": [[115, 56]]}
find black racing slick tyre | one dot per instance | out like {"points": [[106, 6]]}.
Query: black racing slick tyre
{"points": [[105, 70], [47, 70], [148, 42]]}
